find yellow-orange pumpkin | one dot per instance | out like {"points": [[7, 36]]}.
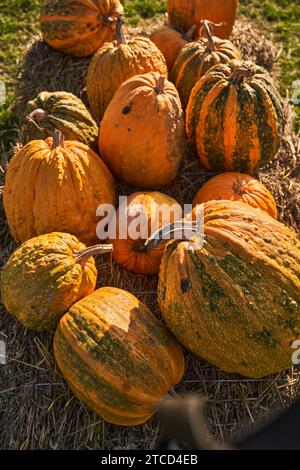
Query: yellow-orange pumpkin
{"points": [[117, 61], [185, 13], [142, 132], [55, 185], [79, 27], [116, 356], [170, 41], [196, 58], [45, 276], [237, 187], [235, 301], [146, 213]]}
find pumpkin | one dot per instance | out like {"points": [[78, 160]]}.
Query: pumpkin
{"points": [[235, 117], [63, 111], [185, 13], [117, 61], [197, 57], [116, 356], [235, 301], [55, 185], [170, 41], [144, 213], [237, 187], [142, 135], [79, 27], [45, 276]]}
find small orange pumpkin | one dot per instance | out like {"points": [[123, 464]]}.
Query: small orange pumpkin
{"points": [[79, 27], [154, 210], [170, 41], [237, 187]]}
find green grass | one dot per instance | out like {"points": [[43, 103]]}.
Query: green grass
{"points": [[19, 19]]}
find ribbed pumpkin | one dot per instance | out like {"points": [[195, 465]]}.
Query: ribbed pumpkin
{"points": [[237, 187], [170, 41], [236, 301], [54, 185], [45, 276], [185, 13], [197, 57], [147, 212], [234, 118], [117, 61], [142, 132], [79, 27], [63, 111], [116, 356]]}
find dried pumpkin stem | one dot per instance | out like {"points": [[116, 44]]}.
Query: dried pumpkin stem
{"points": [[188, 36], [239, 187], [172, 232], [58, 139], [160, 87], [207, 30], [120, 36], [83, 255], [241, 74]]}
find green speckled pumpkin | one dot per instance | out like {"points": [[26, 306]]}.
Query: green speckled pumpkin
{"points": [[45, 276], [116, 356], [236, 301], [62, 111], [235, 118]]}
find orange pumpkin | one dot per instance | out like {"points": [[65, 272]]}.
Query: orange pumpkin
{"points": [[117, 61], [142, 135], [153, 210], [79, 27], [185, 13], [55, 185], [237, 187], [170, 41]]}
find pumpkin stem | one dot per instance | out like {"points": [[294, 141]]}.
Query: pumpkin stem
{"points": [[240, 74], [187, 230], [239, 187], [188, 36], [120, 36], [207, 30], [83, 255], [58, 139], [160, 87]]}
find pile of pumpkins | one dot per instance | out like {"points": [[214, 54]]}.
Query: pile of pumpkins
{"points": [[236, 301]]}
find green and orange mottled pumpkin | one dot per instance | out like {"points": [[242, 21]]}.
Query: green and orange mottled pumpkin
{"points": [[115, 62], [235, 301], [235, 117], [79, 27], [62, 111], [56, 185], [142, 136], [116, 356], [237, 187], [45, 276], [197, 57]]}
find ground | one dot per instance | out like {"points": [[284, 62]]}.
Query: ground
{"points": [[40, 410]]}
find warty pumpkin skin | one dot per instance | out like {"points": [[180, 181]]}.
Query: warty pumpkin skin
{"points": [[115, 62], [185, 13], [142, 134], [235, 118], [79, 27], [63, 111], [237, 187], [131, 253], [56, 186], [116, 356], [196, 58], [45, 276], [170, 41], [236, 301]]}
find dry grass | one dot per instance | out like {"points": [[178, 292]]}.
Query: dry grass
{"points": [[37, 410]]}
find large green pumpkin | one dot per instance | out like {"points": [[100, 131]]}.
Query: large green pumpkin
{"points": [[62, 111], [236, 301]]}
